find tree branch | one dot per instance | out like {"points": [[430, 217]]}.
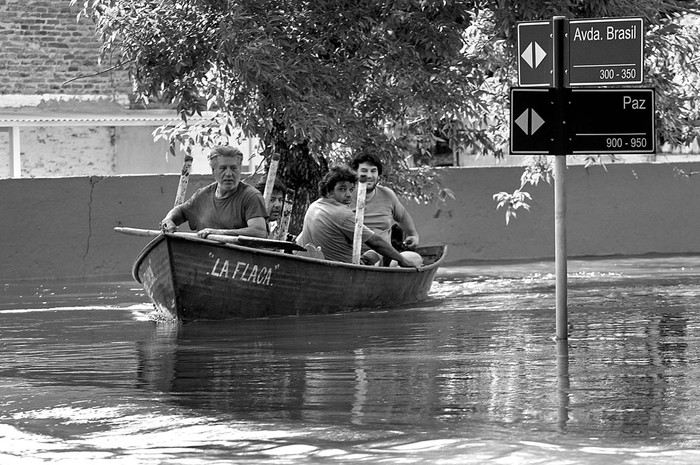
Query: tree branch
{"points": [[83, 76]]}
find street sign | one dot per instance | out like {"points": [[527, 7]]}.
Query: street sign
{"points": [[611, 121], [605, 51], [535, 53], [531, 121], [600, 121]]}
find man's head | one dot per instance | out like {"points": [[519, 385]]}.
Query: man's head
{"points": [[368, 167], [339, 184], [279, 190], [226, 163]]}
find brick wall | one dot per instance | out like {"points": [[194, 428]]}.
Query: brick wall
{"points": [[42, 45]]}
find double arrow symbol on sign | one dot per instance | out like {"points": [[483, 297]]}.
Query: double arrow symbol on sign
{"points": [[529, 121], [533, 54]]}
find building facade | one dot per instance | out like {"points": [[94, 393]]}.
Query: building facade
{"points": [[64, 111]]}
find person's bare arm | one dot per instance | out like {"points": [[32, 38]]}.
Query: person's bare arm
{"points": [[256, 228], [172, 220], [409, 227]]}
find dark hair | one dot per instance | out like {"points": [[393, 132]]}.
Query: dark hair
{"points": [[367, 157], [335, 175], [277, 186]]}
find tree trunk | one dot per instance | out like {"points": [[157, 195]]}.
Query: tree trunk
{"points": [[299, 171]]}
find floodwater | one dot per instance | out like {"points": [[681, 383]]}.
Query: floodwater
{"points": [[471, 376]]}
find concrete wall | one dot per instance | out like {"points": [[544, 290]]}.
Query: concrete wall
{"points": [[56, 151], [628, 210], [64, 227]]}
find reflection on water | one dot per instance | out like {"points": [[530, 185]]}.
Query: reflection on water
{"points": [[470, 376]]}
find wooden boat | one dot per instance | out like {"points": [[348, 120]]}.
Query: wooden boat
{"points": [[193, 279]]}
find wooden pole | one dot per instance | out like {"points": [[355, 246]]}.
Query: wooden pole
{"points": [[270, 181], [280, 233], [184, 179], [560, 258], [359, 222]]}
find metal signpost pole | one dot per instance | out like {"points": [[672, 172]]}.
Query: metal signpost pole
{"points": [[560, 258], [560, 150]]}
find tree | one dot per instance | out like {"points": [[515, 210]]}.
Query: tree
{"points": [[316, 81], [672, 44]]}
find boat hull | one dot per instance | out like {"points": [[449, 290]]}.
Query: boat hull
{"points": [[194, 279]]}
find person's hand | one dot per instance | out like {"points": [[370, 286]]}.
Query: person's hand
{"points": [[167, 225], [203, 233], [406, 263], [411, 242]]}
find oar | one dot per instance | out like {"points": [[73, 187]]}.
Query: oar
{"points": [[359, 221], [247, 241]]}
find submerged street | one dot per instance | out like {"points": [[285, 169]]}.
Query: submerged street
{"points": [[470, 376]]}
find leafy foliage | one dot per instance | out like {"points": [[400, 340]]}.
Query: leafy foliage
{"points": [[317, 81], [672, 43]]}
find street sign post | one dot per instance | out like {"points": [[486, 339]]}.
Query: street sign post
{"points": [[559, 120], [611, 121], [605, 51], [535, 53]]}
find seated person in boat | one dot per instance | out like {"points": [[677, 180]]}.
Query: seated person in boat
{"points": [[383, 210], [279, 190], [227, 206], [329, 222]]}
